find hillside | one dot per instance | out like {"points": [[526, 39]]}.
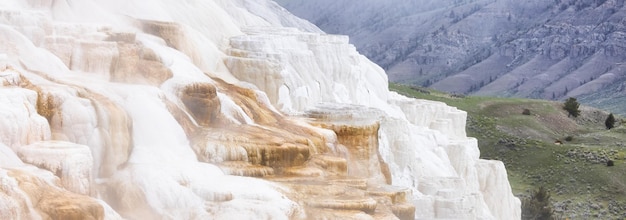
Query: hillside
{"points": [[533, 49], [575, 172]]}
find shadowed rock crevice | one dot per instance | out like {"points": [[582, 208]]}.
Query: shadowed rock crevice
{"points": [[202, 102]]}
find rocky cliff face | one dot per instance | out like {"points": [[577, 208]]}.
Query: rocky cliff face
{"points": [[219, 110], [535, 49]]}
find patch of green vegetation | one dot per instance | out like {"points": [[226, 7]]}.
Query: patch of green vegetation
{"points": [[534, 149]]}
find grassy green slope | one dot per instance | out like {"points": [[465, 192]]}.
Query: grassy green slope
{"points": [[575, 172]]}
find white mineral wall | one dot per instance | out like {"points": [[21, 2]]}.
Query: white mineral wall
{"points": [[8, 157], [72, 163], [299, 70], [62, 49], [424, 142], [22, 125]]}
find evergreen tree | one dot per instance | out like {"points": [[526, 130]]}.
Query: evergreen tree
{"points": [[538, 206], [571, 106], [610, 121]]}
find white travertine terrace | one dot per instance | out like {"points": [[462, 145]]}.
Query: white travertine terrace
{"points": [[68, 161], [131, 109]]}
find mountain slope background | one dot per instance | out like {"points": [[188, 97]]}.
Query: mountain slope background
{"points": [[533, 49]]}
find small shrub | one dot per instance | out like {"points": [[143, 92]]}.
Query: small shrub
{"points": [[569, 138], [610, 121], [420, 89], [538, 206], [610, 163], [456, 95], [526, 111], [571, 106]]}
